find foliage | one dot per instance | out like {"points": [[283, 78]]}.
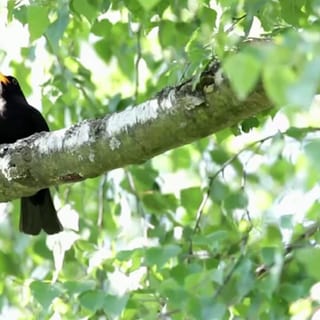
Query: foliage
{"points": [[224, 228]]}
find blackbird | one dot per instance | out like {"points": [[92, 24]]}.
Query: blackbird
{"points": [[19, 120]]}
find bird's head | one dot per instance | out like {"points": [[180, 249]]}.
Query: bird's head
{"points": [[9, 87]]}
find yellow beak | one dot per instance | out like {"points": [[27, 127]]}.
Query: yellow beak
{"points": [[3, 79]]}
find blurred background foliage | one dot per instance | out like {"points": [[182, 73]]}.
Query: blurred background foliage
{"points": [[224, 228]]}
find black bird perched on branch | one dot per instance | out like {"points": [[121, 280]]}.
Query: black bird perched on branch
{"points": [[19, 120]]}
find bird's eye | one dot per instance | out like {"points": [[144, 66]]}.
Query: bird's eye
{"points": [[14, 81]]}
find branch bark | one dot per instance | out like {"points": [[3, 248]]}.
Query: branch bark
{"points": [[176, 116]]}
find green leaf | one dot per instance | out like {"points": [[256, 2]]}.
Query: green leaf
{"points": [[273, 237], [38, 21], [292, 11], [269, 255], [179, 272], [246, 279], [219, 155], [113, 305], [166, 33], [8, 264], [170, 288], [243, 70], [56, 29], [92, 300], [181, 158], [208, 15], [103, 49], [197, 279], [135, 8], [290, 292], [102, 27], [191, 199], [212, 310], [84, 8], [126, 255], [277, 79], [144, 178], [214, 238], [219, 191], [159, 256], [310, 259], [173, 34], [75, 287], [236, 201], [297, 133], [20, 13], [313, 211], [44, 292], [148, 4], [159, 203], [249, 124], [281, 170]]}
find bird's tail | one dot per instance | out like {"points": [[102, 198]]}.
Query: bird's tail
{"points": [[38, 212]]}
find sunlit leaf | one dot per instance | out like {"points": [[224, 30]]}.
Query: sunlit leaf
{"points": [[38, 21], [191, 198], [148, 5], [243, 70], [310, 259], [85, 8]]}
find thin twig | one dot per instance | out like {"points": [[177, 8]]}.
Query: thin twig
{"points": [[206, 195], [263, 269], [235, 22], [222, 168]]}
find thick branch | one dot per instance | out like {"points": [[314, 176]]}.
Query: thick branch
{"points": [[176, 116]]}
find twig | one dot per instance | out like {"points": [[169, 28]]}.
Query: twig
{"points": [[263, 269], [235, 22], [222, 168], [206, 195]]}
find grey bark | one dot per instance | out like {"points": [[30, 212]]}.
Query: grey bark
{"points": [[176, 116]]}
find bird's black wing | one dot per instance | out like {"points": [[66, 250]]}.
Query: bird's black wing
{"points": [[37, 122]]}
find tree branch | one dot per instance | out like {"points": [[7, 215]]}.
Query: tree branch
{"points": [[176, 116]]}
